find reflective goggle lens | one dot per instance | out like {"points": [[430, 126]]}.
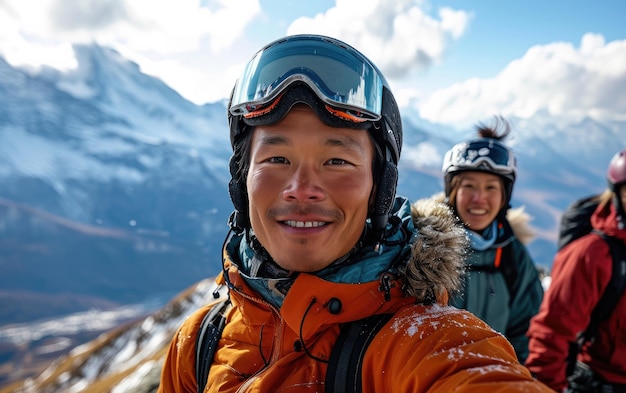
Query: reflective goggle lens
{"points": [[339, 75]]}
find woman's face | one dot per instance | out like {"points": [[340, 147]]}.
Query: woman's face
{"points": [[479, 198]]}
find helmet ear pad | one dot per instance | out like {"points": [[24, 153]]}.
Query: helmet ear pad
{"points": [[385, 191], [237, 184], [393, 125]]}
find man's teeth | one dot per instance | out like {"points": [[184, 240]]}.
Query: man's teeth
{"points": [[304, 224]]}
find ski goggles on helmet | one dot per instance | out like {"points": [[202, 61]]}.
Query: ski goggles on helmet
{"points": [[480, 154], [341, 77]]}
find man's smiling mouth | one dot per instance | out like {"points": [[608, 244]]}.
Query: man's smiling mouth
{"points": [[304, 224]]}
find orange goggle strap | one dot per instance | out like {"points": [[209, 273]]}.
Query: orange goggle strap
{"points": [[342, 114], [264, 110]]}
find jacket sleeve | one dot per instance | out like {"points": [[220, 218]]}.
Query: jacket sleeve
{"points": [[580, 272], [444, 349], [178, 373], [526, 297]]}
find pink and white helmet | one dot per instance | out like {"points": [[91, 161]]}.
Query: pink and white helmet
{"points": [[616, 178], [616, 173]]}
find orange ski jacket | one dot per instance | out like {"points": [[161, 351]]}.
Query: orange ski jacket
{"points": [[426, 346]]}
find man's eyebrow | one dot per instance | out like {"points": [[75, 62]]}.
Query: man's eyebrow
{"points": [[334, 141], [271, 140], [343, 142]]}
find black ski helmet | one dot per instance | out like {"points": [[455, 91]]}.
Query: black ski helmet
{"points": [[340, 84]]}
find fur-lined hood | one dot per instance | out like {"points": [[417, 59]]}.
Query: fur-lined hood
{"points": [[437, 260]]}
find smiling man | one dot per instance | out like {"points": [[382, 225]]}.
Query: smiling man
{"points": [[324, 175], [321, 250]]}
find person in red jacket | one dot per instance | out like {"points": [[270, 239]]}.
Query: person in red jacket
{"points": [[320, 240], [580, 274]]}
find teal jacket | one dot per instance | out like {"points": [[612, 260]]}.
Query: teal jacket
{"points": [[487, 295]]}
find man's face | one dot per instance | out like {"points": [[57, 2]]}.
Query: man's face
{"points": [[308, 185]]}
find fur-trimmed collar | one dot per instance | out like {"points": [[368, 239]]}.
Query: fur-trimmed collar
{"points": [[437, 262]]}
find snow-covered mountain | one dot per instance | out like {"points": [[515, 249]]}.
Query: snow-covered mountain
{"points": [[113, 197], [110, 181], [123, 360]]}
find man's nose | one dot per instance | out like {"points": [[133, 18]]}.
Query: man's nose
{"points": [[304, 184]]}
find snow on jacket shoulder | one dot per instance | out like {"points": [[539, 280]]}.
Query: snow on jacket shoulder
{"points": [[426, 346]]}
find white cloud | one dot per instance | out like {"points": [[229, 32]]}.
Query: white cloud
{"points": [[557, 79], [397, 35], [199, 47], [164, 27], [178, 41], [423, 155]]}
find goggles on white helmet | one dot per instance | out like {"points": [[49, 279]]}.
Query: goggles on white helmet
{"points": [[347, 83], [485, 154]]}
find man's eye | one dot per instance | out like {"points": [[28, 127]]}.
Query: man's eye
{"points": [[277, 160], [337, 161]]}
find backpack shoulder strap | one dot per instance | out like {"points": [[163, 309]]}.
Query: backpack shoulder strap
{"points": [[614, 289], [607, 302], [509, 266], [208, 337], [346, 360]]}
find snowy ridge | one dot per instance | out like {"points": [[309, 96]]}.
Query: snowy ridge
{"points": [[123, 357]]}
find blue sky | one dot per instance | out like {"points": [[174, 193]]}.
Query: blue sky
{"points": [[501, 31], [453, 61]]}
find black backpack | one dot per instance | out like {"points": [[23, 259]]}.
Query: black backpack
{"points": [[575, 223], [575, 220], [345, 364]]}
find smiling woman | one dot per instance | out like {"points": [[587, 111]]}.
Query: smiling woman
{"points": [[502, 286]]}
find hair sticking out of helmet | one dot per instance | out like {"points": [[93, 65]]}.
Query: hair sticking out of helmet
{"points": [[340, 84], [485, 154]]}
